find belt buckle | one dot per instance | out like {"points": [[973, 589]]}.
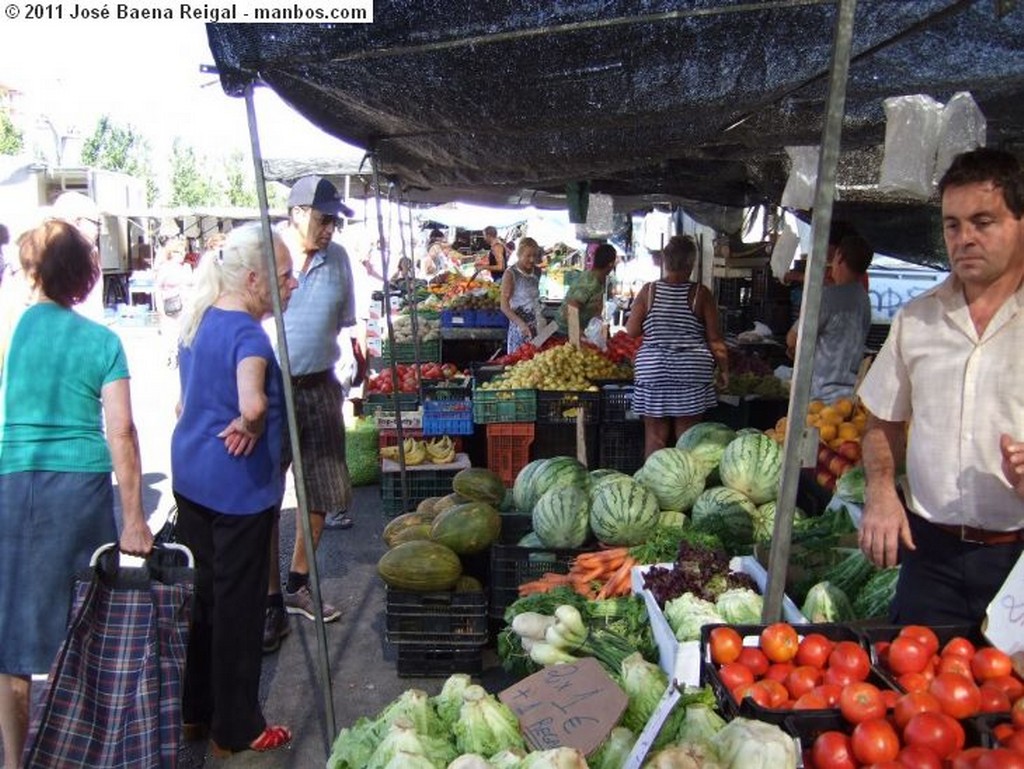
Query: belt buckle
{"points": [[965, 538]]}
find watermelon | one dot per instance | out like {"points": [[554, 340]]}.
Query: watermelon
{"points": [[706, 441], [523, 495], [748, 431], [561, 517], [752, 464], [597, 475], [764, 521], [623, 512], [675, 477], [728, 514], [558, 472], [672, 519], [530, 540]]}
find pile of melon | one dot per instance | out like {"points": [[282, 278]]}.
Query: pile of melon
{"points": [[425, 545]]}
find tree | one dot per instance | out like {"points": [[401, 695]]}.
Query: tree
{"points": [[190, 183], [12, 141], [241, 187], [120, 148]]}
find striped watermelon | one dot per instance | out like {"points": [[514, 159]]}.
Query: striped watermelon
{"points": [[728, 514], [560, 471], [764, 521], [622, 511], [675, 477], [706, 441], [523, 495], [561, 517], [752, 464]]}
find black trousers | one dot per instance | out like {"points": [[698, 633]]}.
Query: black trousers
{"points": [[946, 581], [225, 645]]}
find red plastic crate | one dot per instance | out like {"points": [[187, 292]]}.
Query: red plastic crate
{"points": [[508, 449]]}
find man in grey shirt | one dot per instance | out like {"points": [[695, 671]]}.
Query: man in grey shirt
{"points": [[843, 322]]}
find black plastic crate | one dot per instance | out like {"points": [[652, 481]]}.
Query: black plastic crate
{"points": [[621, 447], [617, 404], [426, 661], [444, 618], [560, 441], [422, 484], [557, 407], [873, 634]]}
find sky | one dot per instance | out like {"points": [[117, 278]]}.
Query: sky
{"points": [[146, 75]]}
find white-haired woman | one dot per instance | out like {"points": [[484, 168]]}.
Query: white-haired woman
{"points": [[227, 481]]}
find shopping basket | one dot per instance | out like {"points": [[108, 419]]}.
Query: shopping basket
{"points": [[114, 692]]}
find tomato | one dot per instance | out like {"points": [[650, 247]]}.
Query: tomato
{"points": [[933, 731], [861, 701], [1002, 731], [1000, 758], [908, 655], [779, 642], [884, 765], [955, 663], [923, 635], [1014, 741], [914, 682], [958, 645], [779, 671], [838, 678], [993, 699], [1017, 713], [725, 644], [758, 694], [889, 697], [849, 657], [958, 695], [1011, 686], [804, 678], [881, 649], [967, 759], [912, 703], [734, 674], [919, 757], [990, 662], [813, 650], [830, 692], [874, 740], [778, 693], [812, 700], [755, 660], [832, 750]]}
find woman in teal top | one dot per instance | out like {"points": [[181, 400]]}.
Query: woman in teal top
{"points": [[63, 379]]}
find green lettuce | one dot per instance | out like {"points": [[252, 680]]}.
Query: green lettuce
{"points": [[485, 725]]}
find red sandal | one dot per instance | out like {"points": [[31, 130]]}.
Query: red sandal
{"points": [[271, 738]]}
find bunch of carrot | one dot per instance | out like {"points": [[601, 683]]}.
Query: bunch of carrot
{"points": [[598, 575]]}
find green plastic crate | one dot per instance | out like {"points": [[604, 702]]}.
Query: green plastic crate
{"points": [[491, 406], [405, 352]]}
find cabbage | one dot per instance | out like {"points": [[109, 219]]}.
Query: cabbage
{"points": [[485, 725], [613, 751], [403, 742], [471, 761], [850, 486], [448, 702], [685, 756], [413, 705], [740, 606], [701, 722], [827, 603], [645, 684], [558, 758], [687, 614], [510, 758], [748, 744], [354, 745], [405, 760]]}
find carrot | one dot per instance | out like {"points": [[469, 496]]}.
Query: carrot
{"points": [[617, 580], [601, 556]]}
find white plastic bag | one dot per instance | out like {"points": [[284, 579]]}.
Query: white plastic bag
{"points": [[911, 138], [961, 129], [783, 252], [803, 175], [594, 333]]}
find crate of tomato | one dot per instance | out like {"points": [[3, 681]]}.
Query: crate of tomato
{"points": [[409, 376]]}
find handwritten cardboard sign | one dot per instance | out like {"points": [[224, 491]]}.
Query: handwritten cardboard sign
{"points": [[574, 705], [1004, 619]]}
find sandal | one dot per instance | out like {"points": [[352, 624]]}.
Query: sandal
{"points": [[271, 738]]}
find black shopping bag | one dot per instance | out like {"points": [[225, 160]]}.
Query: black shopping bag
{"points": [[114, 692]]}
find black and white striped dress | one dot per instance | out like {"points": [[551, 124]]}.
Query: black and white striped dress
{"points": [[674, 370]]}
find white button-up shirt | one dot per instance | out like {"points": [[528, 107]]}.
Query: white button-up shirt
{"points": [[959, 392]]}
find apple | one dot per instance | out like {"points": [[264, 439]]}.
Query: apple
{"points": [[850, 450], [826, 480], [838, 465], [824, 454]]}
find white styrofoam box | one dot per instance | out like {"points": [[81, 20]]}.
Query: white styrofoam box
{"points": [[681, 659]]}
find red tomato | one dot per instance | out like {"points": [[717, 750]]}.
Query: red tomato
{"points": [[830, 692], [1000, 758], [803, 679], [993, 699], [874, 740], [849, 657], [1002, 732], [779, 642], [989, 662], [1011, 686], [838, 678], [884, 765], [1014, 741], [882, 652], [734, 675], [908, 655], [923, 635], [726, 645], [912, 703], [779, 671], [919, 757], [914, 682], [958, 695], [758, 694], [889, 697], [812, 700], [958, 645], [935, 731], [813, 650], [776, 691], [861, 701], [755, 660], [832, 750], [955, 663], [1017, 713], [967, 759]]}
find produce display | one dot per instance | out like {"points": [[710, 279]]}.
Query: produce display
{"points": [[409, 376], [436, 451], [427, 329], [561, 367]]}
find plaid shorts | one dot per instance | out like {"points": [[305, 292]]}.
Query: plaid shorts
{"points": [[322, 443]]}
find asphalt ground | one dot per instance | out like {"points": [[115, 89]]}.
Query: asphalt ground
{"points": [[363, 677]]}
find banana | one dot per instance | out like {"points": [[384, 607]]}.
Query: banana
{"points": [[390, 452], [417, 455]]}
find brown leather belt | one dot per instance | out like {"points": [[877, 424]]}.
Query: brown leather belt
{"points": [[980, 536], [307, 381]]}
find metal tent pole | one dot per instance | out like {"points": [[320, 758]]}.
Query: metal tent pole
{"points": [[289, 400], [799, 395]]}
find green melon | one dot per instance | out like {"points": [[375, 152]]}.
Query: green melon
{"points": [[394, 531], [480, 485], [466, 529], [421, 565]]}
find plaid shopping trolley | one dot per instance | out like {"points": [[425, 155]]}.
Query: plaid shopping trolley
{"points": [[114, 692]]}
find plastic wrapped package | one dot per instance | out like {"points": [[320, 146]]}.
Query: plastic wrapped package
{"points": [[912, 126], [961, 129], [803, 175], [783, 252]]}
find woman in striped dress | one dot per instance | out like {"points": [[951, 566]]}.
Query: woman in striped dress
{"points": [[675, 371]]}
